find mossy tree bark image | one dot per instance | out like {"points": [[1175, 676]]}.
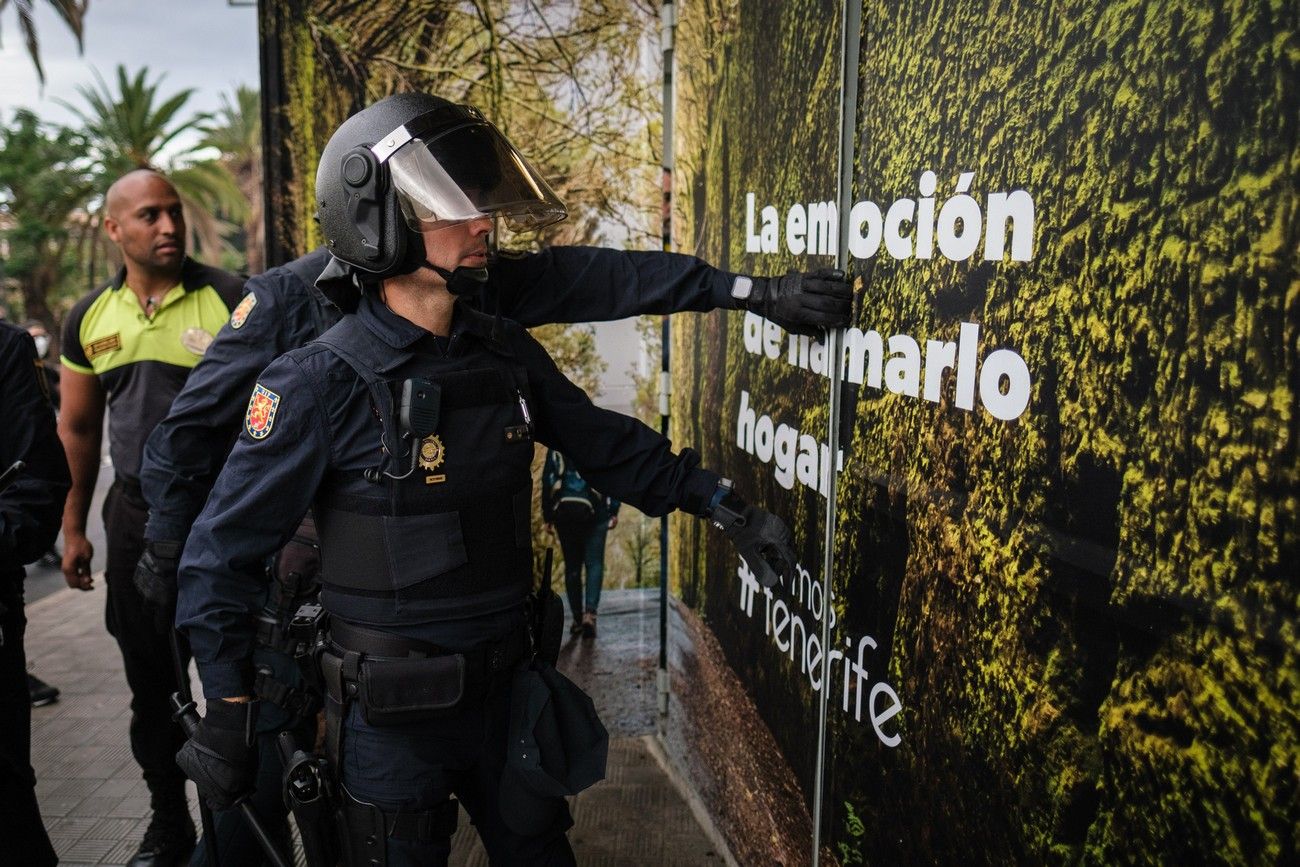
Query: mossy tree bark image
{"points": [[322, 62], [564, 82], [1087, 611]]}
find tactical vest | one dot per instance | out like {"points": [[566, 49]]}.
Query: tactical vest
{"points": [[440, 528]]}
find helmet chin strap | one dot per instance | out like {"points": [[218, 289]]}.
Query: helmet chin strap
{"points": [[462, 281]]}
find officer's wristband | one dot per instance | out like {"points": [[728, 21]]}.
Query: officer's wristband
{"points": [[726, 510]]}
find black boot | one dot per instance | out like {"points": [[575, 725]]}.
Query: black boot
{"points": [[41, 692], [169, 839]]}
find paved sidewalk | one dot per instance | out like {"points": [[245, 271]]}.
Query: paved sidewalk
{"points": [[95, 804]]}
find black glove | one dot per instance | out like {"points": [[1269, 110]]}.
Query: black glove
{"points": [[803, 303], [219, 756], [155, 578], [760, 537]]}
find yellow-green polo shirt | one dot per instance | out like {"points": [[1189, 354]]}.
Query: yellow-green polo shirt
{"points": [[142, 362]]}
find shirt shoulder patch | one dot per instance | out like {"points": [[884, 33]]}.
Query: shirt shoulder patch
{"points": [[102, 345], [240, 316], [261, 412]]}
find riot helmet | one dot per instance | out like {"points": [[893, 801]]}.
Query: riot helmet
{"points": [[411, 161]]}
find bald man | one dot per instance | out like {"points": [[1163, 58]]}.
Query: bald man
{"points": [[130, 345]]}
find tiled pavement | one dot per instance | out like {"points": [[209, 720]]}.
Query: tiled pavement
{"points": [[96, 806]]}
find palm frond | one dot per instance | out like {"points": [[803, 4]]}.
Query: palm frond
{"points": [[73, 14]]}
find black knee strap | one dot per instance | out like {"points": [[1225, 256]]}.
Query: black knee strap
{"points": [[368, 827]]}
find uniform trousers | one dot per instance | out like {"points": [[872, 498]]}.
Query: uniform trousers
{"points": [[146, 651], [417, 766], [21, 829]]}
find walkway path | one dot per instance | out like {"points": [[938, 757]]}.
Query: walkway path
{"points": [[95, 804]]}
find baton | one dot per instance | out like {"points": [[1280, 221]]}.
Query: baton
{"points": [[8, 476], [186, 713], [181, 701]]}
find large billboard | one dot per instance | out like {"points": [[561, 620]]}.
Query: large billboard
{"points": [[1064, 597]]}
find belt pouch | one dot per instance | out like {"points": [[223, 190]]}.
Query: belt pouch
{"points": [[397, 691]]}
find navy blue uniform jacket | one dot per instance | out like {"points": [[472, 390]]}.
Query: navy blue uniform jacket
{"points": [[322, 423], [32, 506], [562, 284]]}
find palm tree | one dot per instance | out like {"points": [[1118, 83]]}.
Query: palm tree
{"points": [[131, 127], [43, 186], [237, 134], [73, 14]]}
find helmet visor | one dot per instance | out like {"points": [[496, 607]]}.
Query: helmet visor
{"points": [[468, 172]]}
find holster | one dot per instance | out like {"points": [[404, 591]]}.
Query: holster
{"points": [[310, 795], [545, 615], [548, 624], [295, 575]]}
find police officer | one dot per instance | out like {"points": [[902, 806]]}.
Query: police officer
{"points": [[409, 427], [31, 503], [283, 309]]}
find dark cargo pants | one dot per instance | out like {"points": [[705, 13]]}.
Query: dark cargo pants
{"points": [[417, 766], [146, 651]]}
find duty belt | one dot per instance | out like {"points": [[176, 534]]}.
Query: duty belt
{"points": [[480, 662], [348, 647]]}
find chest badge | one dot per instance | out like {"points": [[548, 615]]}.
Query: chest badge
{"points": [[196, 340], [432, 455], [261, 412]]}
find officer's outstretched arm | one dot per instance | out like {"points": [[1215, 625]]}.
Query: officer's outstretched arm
{"points": [[267, 485], [622, 457], [596, 284]]}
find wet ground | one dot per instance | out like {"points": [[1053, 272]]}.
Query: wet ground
{"points": [[96, 806]]}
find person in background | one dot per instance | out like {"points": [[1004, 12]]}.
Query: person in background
{"points": [[129, 346], [41, 692], [31, 500], [36, 329], [51, 559], [581, 516]]}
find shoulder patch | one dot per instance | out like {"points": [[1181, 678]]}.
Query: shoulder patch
{"points": [[261, 412], [102, 345], [240, 316]]}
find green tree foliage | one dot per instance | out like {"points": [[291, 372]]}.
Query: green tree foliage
{"points": [[44, 181], [72, 13], [236, 133], [573, 84]]}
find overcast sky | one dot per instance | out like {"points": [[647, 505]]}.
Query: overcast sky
{"points": [[208, 45]]}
